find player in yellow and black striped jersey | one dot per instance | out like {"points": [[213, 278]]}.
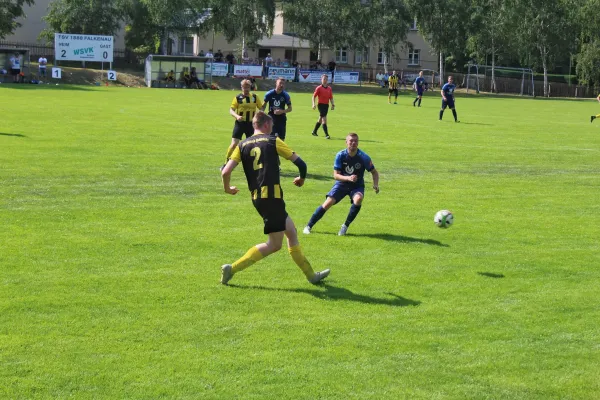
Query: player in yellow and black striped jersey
{"points": [[595, 116], [258, 155], [393, 87], [243, 107]]}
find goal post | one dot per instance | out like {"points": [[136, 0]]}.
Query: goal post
{"points": [[478, 72]]}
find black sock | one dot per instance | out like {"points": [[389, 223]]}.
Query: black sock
{"points": [[419, 102], [317, 215], [441, 114], [317, 125], [454, 113], [354, 210], [325, 129], [414, 102]]}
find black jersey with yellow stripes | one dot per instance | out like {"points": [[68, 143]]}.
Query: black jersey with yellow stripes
{"points": [[259, 157], [246, 106]]}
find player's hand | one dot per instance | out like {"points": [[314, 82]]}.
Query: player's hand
{"points": [[298, 181], [376, 188], [239, 118], [352, 178], [314, 107], [232, 190], [332, 107]]}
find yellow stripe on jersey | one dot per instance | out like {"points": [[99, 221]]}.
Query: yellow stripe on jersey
{"points": [[246, 106], [264, 192], [393, 81], [283, 150], [237, 155]]}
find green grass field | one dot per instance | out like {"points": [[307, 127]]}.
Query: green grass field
{"points": [[114, 226]]}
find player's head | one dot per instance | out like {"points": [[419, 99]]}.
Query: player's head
{"points": [[280, 85], [450, 79], [262, 122], [352, 141], [324, 79], [246, 85], [394, 72], [421, 74]]}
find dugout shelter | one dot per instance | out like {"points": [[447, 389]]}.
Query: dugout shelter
{"points": [[157, 66]]}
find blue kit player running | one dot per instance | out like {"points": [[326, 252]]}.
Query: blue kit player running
{"points": [[348, 170], [420, 86], [448, 98]]}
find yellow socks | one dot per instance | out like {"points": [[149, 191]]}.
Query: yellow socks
{"points": [[229, 153], [251, 256], [301, 261]]}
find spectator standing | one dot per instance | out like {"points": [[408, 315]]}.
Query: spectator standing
{"points": [[332, 66], [15, 67], [43, 61], [219, 56], [209, 54]]}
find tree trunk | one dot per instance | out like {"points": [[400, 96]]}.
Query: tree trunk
{"points": [[545, 66], [494, 89], [441, 69]]}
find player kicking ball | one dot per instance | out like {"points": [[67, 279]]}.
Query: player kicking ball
{"points": [[348, 171], [593, 117]]}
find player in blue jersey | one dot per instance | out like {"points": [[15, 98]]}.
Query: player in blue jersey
{"points": [[448, 98], [420, 85], [280, 104], [348, 171]]}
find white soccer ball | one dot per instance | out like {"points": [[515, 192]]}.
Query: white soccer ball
{"points": [[443, 218]]}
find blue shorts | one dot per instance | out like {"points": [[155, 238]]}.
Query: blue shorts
{"points": [[338, 192], [420, 91], [449, 104]]}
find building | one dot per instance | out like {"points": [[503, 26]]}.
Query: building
{"points": [[287, 48], [33, 25]]}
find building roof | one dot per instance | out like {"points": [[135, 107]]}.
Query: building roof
{"points": [[284, 41]]}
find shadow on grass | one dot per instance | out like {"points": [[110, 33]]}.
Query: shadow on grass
{"points": [[491, 275], [475, 123], [360, 140], [339, 293], [12, 134], [392, 238], [49, 86]]}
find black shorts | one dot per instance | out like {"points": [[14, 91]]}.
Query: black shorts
{"points": [[395, 91], [15, 72], [449, 103], [279, 127], [242, 127], [273, 214], [323, 109]]}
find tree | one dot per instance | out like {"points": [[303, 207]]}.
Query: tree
{"points": [[10, 10], [352, 23], [444, 23], [490, 31], [93, 17], [588, 58], [545, 31]]}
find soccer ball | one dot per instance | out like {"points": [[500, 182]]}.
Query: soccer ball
{"points": [[443, 218]]}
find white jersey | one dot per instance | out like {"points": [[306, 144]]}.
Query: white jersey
{"points": [[43, 61], [15, 62]]}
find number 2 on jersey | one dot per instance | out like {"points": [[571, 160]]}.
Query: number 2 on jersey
{"points": [[255, 152]]}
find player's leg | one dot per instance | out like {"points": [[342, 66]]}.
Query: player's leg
{"points": [[317, 126], [389, 96], [395, 96], [357, 198], [325, 129], [444, 105], [454, 113], [594, 117], [231, 148], [298, 256], [322, 209]]}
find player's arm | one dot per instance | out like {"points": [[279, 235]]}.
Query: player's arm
{"points": [[337, 175], [284, 151], [315, 94], [598, 98], [443, 95], [375, 180], [332, 103], [265, 102], [226, 175]]}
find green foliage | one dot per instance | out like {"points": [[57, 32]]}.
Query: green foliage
{"points": [[10, 10], [114, 226], [588, 63], [93, 17], [243, 19], [336, 23]]}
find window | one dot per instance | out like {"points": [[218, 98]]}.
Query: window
{"points": [[263, 53], [291, 55], [414, 57], [381, 57], [341, 55], [361, 57], [186, 45], [413, 26], [314, 56]]}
